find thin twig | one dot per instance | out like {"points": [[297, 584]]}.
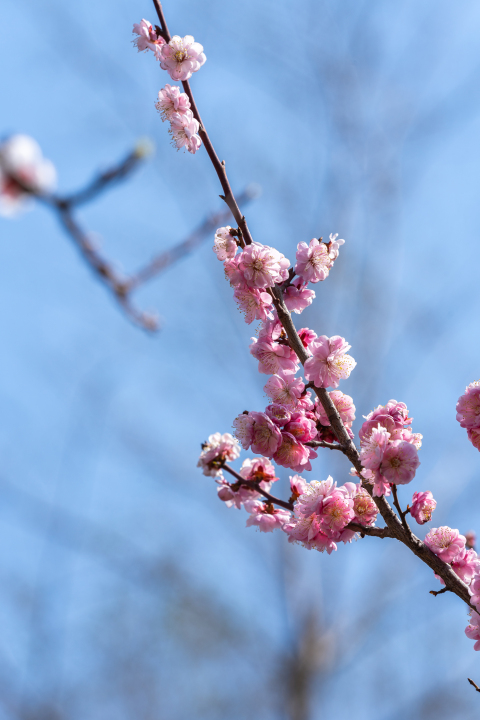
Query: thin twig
{"points": [[474, 684], [371, 531], [322, 443], [255, 486], [439, 592]]}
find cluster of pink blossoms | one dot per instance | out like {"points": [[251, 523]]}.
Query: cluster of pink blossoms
{"points": [[22, 164], [389, 449], [216, 451], [181, 57], [468, 412], [174, 106]]}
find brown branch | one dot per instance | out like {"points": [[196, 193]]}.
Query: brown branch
{"points": [[255, 486], [439, 592], [322, 443], [474, 684], [371, 531]]}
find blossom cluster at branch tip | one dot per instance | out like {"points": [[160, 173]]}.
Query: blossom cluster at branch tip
{"points": [[315, 260], [468, 412], [180, 57], [23, 166]]}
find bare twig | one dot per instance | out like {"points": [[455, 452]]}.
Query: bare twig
{"points": [[255, 486], [322, 443], [474, 684]]}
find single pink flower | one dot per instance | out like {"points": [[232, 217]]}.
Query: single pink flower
{"points": [[284, 390], [225, 246], [472, 630], [306, 530], [147, 38], [292, 454], [334, 246], [184, 129], [259, 470], [216, 451], [400, 462], [393, 416], [312, 498], [244, 425], [445, 542], [254, 304], [307, 336], [278, 414], [422, 507], [274, 358], [344, 405], [297, 297], [373, 450], [182, 57], [337, 511], [466, 564], [380, 487], [364, 507], [266, 435], [468, 406], [171, 100], [474, 588], [266, 516], [313, 261], [301, 427], [329, 362], [298, 486], [262, 266]]}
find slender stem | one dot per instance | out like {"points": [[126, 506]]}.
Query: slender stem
{"points": [[219, 167], [321, 443], [255, 486], [372, 531], [399, 509]]}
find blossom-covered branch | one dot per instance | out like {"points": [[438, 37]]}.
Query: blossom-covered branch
{"points": [[268, 289]]}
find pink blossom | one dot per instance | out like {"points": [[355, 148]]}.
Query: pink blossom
{"points": [[380, 487], [344, 405], [313, 261], [182, 57], [474, 437], [147, 38], [337, 511], [216, 451], [297, 297], [306, 336], [184, 129], [466, 564], [334, 246], [392, 416], [468, 406], [171, 100], [265, 516], [298, 486], [472, 630], [292, 454], [475, 588], [284, 390], [22, 164], [373, 450], [244, 425], [312, 498], [306, 530], [329, 362], [254, 304], [266, 435], [225, 246], [272, 329], [301, 427], [400, 462], [445, 542], [471, 539], [422, 506], [259, 470], [262, 266], [278, 414], [364, 507], [274, 358]]}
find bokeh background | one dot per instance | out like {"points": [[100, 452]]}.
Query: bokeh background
{"points": [[128, 591]]}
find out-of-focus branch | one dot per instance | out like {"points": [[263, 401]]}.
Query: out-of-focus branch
{"points": [[119, 284]]}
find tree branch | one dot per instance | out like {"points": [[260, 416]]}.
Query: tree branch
{"points": [[255, 486]]}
